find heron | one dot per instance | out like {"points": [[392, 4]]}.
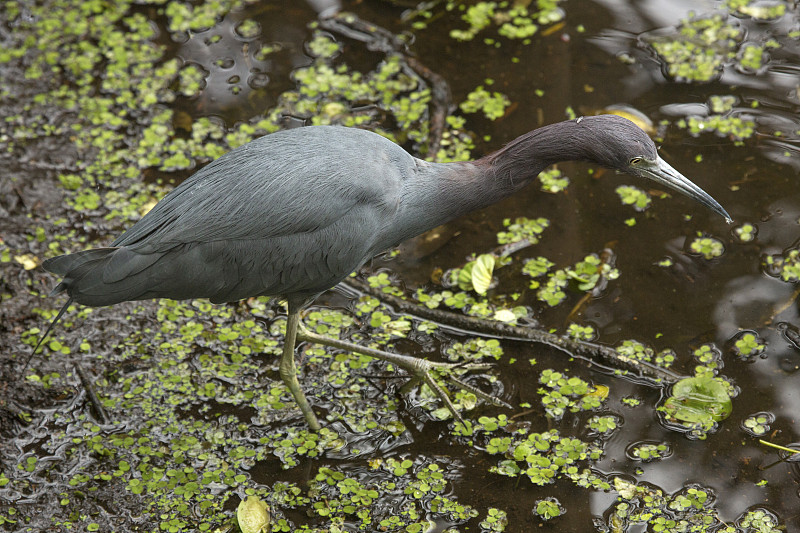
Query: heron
{"points": [[293, 213]]}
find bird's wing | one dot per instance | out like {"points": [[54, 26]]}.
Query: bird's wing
{"points": [[276, 186]]}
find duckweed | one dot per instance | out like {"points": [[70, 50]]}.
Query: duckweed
{"points": [[748, 344], [603, 425], [758, 10], [736, 128], [633, 196], [758, 424], [475, 349], [190, 455], [493, 105], [516, 21], [585, 275], [700, 49], [522, 228], [561, 393], [785, 266], [746, 232], [647, 451], [553, 181], [579, 332], [548, 508]]}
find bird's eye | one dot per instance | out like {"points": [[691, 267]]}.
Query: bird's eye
{"points": [[635, 160]]}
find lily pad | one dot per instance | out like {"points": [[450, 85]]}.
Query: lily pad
{"points": [[699, 399]]}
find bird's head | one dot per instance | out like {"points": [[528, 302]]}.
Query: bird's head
{"points": [[618, 143]]}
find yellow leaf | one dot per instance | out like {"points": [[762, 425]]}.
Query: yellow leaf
{"points": [[28, 261], [505, 315], [601, 391], [482, 273], [253, 515]]}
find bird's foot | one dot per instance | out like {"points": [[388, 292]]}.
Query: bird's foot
{"points": [[421, 369]]}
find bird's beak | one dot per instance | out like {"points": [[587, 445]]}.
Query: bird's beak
{"points": [[661, 172]]}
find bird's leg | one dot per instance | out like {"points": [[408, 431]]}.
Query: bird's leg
{"points": [[288, 371], [420, 369]]}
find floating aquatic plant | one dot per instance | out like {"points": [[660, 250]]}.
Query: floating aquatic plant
{"points": [[698, 403]]}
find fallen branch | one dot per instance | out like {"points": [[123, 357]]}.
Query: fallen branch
{"points": [[646, 372]]}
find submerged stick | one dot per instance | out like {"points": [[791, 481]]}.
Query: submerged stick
{"points": [[576, 348]]}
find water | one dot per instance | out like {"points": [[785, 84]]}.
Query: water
{"points": [[599, 57]]}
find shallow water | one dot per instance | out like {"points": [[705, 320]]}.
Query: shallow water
{"points": [[596, 59]]}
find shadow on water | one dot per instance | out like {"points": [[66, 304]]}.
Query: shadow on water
{"points": [[597, 57]]}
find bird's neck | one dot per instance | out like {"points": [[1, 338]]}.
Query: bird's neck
{"points": [[439, 192], [521, 160]]}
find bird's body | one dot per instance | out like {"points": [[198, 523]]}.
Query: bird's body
{"points": [[283, 215], [293, 213]]}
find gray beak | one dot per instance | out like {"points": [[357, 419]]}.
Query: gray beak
{"points": [[661, 172]]}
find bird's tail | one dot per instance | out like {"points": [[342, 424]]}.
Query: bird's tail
{"points": [[103, 276], [75, 267], [69, 266], [83, 273]]}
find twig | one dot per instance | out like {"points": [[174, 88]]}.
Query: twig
{"points": [[575, 348], [778, 446], [99, 412], [382, 40]]}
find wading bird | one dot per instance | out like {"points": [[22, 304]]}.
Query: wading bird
{"points": [[293, 213]]}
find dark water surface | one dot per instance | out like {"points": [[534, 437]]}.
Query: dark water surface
{"points": [[581, 64], [694, 301]]}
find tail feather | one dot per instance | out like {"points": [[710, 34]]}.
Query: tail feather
{"points": [[124, 263], [102, 276], [64, 264]]}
